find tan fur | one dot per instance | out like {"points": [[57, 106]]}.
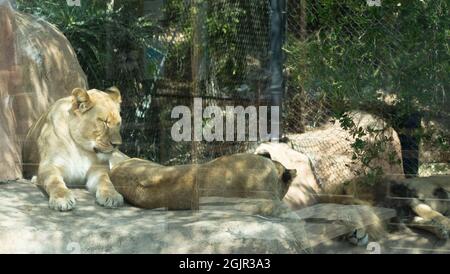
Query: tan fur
{"points": [[428, 199], [150, 185], [425, 189], [306, 191], [70, 145]]}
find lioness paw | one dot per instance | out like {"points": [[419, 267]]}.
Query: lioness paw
{"points": [[64, 202], [109, 198]]}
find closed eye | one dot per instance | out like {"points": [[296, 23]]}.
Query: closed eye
{"points": [[103, 122]]}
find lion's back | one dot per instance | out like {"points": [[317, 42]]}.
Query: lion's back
{"points": [[31, 155]]}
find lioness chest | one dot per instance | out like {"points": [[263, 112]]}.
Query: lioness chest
{"points": [[75, 168]]}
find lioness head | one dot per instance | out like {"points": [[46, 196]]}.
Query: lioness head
{"points": [[95, 120], [286, 176]]}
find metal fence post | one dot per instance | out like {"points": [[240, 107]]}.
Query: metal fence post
{"points": [[277, 26]]}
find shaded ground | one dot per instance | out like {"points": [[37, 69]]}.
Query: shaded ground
{"points": [[27, 225], [404, 241]]}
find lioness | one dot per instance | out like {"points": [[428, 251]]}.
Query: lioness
{"points": [[422, 202], [150, 185], [70, 145]]}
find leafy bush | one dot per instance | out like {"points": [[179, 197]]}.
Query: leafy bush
{"points": [[353, 51], [353, 55]]}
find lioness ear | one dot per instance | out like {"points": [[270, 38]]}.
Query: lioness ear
{"points": [[286, 175], [114, 92], [81, 100], [289, 175], [280, 168]]}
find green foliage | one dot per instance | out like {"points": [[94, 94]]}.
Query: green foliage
{"points": [[223, 26], [177, 20], [109, 42], [352, 52], [236, 34], [370, 144], [230, 34]]}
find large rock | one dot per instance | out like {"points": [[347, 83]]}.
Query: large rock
{"points": [[304, 187], [221, 225], [27, 225], [37, 67], [324, 160]]}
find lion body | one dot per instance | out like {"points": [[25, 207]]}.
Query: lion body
{"points": [[150, 185], [422, 202], [50, 142], [70, 145]]}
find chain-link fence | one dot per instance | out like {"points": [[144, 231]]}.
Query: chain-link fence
{"points": [[388, 58], [214, 50], [381, 58]]}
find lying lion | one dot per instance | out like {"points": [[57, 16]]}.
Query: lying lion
{"points": [[422, 203], [150, 185]]}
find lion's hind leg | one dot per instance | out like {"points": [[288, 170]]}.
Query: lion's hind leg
{"points": [[430, 220]]}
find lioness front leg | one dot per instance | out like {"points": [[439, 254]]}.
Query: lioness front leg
{"points": [[100, 184], [60, 197]]}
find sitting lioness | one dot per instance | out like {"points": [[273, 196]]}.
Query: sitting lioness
{"points": [[70, 145]]}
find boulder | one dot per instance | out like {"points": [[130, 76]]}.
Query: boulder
{"points": [[37, 67], [28, 225], [324, 160], [220, 225]]}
